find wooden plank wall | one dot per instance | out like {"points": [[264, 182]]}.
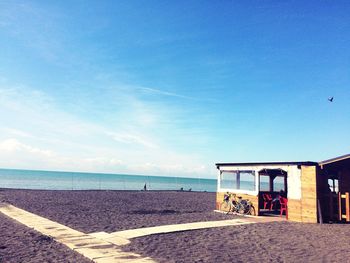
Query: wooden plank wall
{"points": [[305, 210], [308, 194], [294, 210], [254, 199]]}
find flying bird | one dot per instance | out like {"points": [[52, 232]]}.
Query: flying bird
{"points": [[330, 99]]}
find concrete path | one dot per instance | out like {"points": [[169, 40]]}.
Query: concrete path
{"points": [[257, 219], [89, 246], [133, 233]]}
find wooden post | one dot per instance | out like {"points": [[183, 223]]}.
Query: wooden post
{"points": [[339, 205], [319, 211], [347, 207], [272, 177], [285, 184]]}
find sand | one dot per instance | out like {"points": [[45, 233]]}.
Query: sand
{"points": [[21, 244], [110, 211], [91, 211], [268, 242]]}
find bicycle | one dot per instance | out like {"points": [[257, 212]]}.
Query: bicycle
{"points": [[236, 204], [226, 204], [242, 206]]}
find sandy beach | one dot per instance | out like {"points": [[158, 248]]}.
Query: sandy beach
{"points": [[109, 211], [268, 242], [174, 131], [21, 244], [93, 211]]}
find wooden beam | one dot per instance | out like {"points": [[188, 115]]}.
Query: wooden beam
{"points": [[272, 177], [270, 184], [347, 207], [320, 218], [339, 206], [285, 184]]}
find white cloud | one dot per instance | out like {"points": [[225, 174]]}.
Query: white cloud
{"points": [[44, 135], [13, 145], [16, 132]]}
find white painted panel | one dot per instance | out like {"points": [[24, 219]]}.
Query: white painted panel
{"points": [[294, 183]]}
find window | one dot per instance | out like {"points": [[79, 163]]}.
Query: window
{"points": [[237, 180], [264, 183], [227, 180], [247, 179], [278, 184], [333, 185]]}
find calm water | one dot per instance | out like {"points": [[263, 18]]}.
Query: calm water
{"points": [[27, 179]]}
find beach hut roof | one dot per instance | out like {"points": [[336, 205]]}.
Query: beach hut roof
{"points": [[334, 160], [265, 163], [345, 157]]}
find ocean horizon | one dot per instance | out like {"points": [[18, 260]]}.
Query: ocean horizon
{"points": [[62, 180]]}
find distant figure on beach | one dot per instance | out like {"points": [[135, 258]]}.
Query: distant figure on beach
{"points": [[181, 189], [190, 189], [145, 187]]}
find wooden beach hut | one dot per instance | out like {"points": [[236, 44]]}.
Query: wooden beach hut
{"points": [[316, 191]]}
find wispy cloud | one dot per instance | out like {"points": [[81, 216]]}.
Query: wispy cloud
{"points": [[41, 134], [15, 146], [132, 139], [15, 132], [164, 93]]}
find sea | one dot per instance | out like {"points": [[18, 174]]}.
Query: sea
{"points": [[52, 180]]}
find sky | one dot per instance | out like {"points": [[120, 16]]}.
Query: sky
{"points": [[172, 87]]}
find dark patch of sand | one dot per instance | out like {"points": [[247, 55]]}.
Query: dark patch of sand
{"points": [[21, 244], [109, 211]]}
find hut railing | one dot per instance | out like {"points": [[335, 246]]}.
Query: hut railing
{"points": [[344, 206]]}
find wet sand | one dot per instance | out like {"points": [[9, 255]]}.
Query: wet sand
{"points": [[92, 211]]}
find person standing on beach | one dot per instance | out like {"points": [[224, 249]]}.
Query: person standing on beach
{"points": [[145, 187]]}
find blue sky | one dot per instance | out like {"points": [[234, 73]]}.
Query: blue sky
{"points": [[172, 87]]}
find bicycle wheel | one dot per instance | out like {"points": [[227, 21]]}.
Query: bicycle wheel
{"points": [[251, 211], [241, 209], [225, 206], [234, 207]]}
